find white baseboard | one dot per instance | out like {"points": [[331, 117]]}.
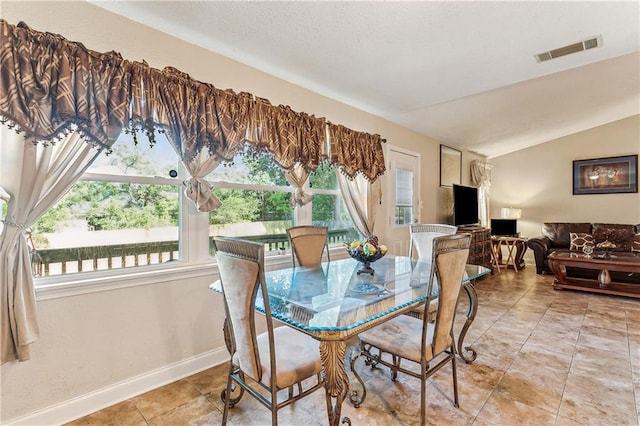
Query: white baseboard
{"points": [[83, 405]]}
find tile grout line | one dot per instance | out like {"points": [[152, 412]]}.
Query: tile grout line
{"points": [[575, 348], [519, 350]]}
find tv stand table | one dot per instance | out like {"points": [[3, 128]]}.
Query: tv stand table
{"points": [[623, 262], [515, 248]]}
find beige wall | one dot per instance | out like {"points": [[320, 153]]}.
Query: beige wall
{"points": [[539, 179], [96, 349]]}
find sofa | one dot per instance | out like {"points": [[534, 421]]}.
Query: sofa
{"points": [[557, 236]]}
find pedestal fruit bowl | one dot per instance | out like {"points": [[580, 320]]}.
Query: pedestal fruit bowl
{"points": [[366, 251]]}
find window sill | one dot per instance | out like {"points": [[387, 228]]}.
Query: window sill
{"points": [[93, 282]]}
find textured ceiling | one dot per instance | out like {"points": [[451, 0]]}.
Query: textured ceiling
{"points": [[463, 73]]}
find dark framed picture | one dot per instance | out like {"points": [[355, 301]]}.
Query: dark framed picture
{"points": [[609, 175], [450, 166]]}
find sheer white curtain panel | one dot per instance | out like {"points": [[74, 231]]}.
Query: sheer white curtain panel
{"points": [[34, 177], [197, 189], [481, 177], [297, 178], [360, 198]]}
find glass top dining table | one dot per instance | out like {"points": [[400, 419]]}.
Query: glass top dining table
{"points": [[333, 303]]}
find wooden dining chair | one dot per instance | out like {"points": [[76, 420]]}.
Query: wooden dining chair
{"points": [[421, 241], [308, 243], [423, 341], [279, 358]]}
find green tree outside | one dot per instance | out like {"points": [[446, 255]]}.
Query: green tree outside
{"points": [[112, 205]]}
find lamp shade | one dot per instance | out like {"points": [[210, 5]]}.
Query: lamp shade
{"points": [[510, 213]]}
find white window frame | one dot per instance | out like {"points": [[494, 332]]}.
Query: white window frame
{"points": [[301, 215], [77, 278], [194, 258]]}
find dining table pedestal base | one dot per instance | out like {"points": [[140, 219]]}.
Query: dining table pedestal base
{"points": [[336, 381]]}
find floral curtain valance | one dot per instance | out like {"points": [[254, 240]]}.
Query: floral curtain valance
{"points": [[356, 152], [197, 115], [290, 136], [50, 83]]}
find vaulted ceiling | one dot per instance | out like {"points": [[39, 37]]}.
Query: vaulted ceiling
{"points": [[463, 73]]}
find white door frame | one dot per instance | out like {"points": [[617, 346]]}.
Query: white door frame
{"points": [[398, 235]]}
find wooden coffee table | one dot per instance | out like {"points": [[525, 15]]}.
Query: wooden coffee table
{"points": [[619, 261]]}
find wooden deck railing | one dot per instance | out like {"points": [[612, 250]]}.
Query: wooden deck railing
{"points": [[117, 256]]}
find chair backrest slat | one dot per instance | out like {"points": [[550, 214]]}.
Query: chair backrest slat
{"points": [[308, 243]]}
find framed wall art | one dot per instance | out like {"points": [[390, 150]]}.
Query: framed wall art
{"points": [[609, 175], [450, 166]]}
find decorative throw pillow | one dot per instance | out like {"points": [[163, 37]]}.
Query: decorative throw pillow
{"points": [[620, 235], [579, 240], [636, 243]]}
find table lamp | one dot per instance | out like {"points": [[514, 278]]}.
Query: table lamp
{"points": [[510, 213]]}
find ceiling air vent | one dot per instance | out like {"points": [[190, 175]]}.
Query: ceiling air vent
{"points": [[567, 50]]}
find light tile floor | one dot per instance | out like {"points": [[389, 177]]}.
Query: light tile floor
{"points": [[545, 357]]}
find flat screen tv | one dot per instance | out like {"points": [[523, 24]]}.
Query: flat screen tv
{"points": [[465, 205]]}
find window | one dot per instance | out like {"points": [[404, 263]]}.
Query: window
{"points": [[127, 211], [256, 202], [404, 197], [328, 208], [123, 212]]}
